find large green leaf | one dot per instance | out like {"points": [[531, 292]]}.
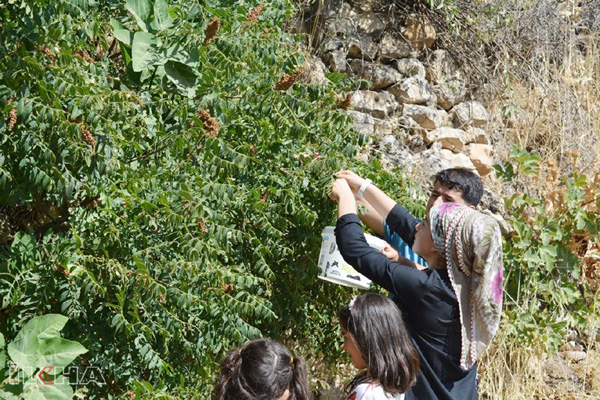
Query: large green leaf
{"points": [[59, 352], [123, 34], [36, 390], [143, 51], [142, 11], [182, 76], [161, 15], [39, 344]]}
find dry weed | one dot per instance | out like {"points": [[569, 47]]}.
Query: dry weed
{"points": [[12, 119], [287, 81], [345, 102], [253, 15], [210, 124], [210, 33], [512, 372]]}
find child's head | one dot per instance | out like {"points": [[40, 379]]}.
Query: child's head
{"points": [[377, 339], [262, 369], [456, 185]]}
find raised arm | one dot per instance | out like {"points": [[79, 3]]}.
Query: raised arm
{"points": [[370, 217], [402, 280], [379, 201]]}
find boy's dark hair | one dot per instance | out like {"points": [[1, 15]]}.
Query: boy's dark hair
{"points": [[262, 369], [468, 182], [377, 327]]}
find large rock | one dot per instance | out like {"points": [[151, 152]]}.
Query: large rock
{"points": [[371, 23], [345, 20], [420, 34], [441, 67], [431, 161], [388, 126], [362, 46], [334, 55], [313, 71], [393, 153], [450, 138], [340, 19], [426, 117], [481, 156], [413, 90], [476, 135], [336, 61], [410, 67], [469, 113], [393, 47], [381, 76], [378, 104], [363, 6], [450, 93], [363, 123]]}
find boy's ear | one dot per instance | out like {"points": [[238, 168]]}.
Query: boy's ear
{"points": [[472, 206]]}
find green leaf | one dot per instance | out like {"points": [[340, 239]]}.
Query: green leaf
{"points": [[59, 352], [182, 76], [142, 11], [36, 390], [162, 16], [335, 77], [25, 349], [2, 357], [125, 36], [143, 52]]}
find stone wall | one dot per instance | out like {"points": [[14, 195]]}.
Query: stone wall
{"points": [[413, 102]]}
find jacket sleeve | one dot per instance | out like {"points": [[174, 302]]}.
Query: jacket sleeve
{"points": [[403, 281], [401, 221]]}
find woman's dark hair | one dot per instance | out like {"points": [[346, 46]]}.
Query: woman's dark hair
{"points": [[377, 327], [262, 369], [468, 182]]}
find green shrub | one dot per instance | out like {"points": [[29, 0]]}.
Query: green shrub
{"points": [[160, 192], [545, 289]]}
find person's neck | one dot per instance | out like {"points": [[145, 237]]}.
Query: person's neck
{"points": [[436, 262]]}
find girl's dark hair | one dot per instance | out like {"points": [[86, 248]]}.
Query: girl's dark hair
{"points": [[262, 369], [376, 325]]}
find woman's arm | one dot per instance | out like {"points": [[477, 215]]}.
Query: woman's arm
{"points": [[381, 202], [370, 217], [406, 282], [342, 193]]}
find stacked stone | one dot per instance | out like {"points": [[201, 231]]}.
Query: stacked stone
{"points": [[415, 104]]}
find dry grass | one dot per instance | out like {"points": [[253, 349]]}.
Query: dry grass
{"points": [[543, 88], [553, 118], [513, 372]]}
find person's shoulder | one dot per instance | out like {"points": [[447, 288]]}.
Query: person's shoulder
{"points": [[371, 391], [359, 392]]}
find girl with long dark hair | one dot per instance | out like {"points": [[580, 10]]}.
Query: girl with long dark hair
{"points": [[380, 347]]}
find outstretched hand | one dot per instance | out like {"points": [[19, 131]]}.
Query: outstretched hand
{"points": [[354, 181], [340, 190], [342, 193]]}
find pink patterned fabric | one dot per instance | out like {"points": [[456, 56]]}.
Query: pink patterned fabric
{"points": [[472, 246]]}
